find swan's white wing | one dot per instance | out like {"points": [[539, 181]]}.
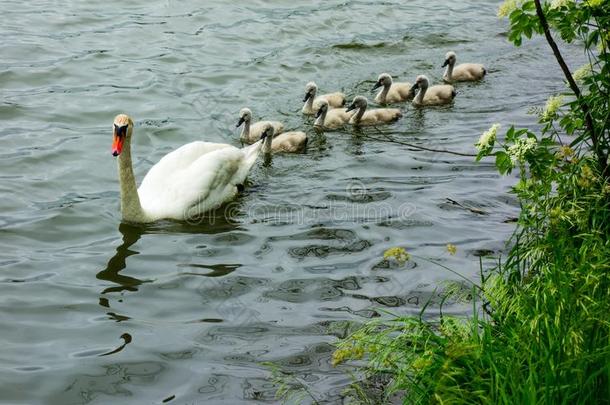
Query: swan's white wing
{"points": [[197, 176], [181, 158]]}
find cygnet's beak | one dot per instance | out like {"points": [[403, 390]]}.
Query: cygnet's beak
{"points": [[307, 96], [351, 107], [376, 86], [446, 63], [265, 134], [241, 121], [319, 112]]}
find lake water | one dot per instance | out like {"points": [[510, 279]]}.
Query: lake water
{"points": [[95, 311]]}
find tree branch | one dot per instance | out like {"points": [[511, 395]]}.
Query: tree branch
{"points": [[583, 105]]}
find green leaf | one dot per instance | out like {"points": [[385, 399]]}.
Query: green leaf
{"points": [[510, 134], [528, 6], [503, 162], [592, 39]]}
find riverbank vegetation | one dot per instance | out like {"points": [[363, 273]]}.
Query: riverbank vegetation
{"points": [[540, 326]]}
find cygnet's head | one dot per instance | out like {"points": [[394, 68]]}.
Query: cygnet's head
{"points": [[245, 114], [310, 91], [359, 102], [450, 59], [322, 107], [268, 131], [384, 80], [266, 138], [122, 129], [421, 82]]}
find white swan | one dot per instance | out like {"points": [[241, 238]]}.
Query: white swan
{"points": [[287, 142], [371, 117], [432, 95], [331, 118], [195, 178], [464, 72], [335, 100], [392, 92], [253, 132]]}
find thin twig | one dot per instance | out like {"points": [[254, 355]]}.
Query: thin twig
{"points": [[388, 138], [473, 210]]}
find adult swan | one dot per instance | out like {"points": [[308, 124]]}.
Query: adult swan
{"points": [[195, 178]]}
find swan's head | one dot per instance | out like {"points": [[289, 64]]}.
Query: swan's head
{"points": [[121, 130], [310, 91], [450, 59], [421, 82], [384, 80], [359, 102], [245, 114], [322, 107]]}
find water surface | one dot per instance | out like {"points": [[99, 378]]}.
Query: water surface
{"points": [[95, 311]]}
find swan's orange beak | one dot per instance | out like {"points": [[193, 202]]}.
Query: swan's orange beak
{"points": [[117, 139], [117, 145]]}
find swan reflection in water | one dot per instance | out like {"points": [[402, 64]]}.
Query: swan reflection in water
{"points": [[215, 222], [112, 272]]}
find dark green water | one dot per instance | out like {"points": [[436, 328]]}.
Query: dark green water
{"points": [[92, 311]]}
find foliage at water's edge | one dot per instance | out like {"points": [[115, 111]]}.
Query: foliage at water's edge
{"points": [[540, 331]]}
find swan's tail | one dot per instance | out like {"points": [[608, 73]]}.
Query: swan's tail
{"points": [[253, 151], [251, 154]]}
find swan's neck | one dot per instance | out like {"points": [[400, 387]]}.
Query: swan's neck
{"points": [[419, 99], [131, 209], [245, 132], [320, 120], [384, 92], [267, 145], [359, 114], [449, 72]]}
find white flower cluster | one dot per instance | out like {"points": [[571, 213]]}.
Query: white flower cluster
{"points": [[552, 106], [507, 7], [582, 72], [488, 138], [560, 3], [595, 3], [520, 148]]}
